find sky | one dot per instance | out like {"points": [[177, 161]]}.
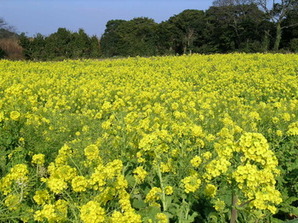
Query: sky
{"points": [[46, 16]]}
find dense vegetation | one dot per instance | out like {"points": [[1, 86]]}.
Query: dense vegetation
{"points": [[195, 138], [227, 26]]}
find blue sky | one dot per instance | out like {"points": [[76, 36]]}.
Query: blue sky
{"points": [[46, 16]]}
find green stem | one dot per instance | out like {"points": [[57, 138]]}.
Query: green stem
{"points": [[234, 210], [72, 203], [163, 199], [75, 165]]}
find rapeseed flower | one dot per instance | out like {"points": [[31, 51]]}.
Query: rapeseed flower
{"points": [[140, 174], [219, 205], [79, 184], [293, 129], [153, 195], [168, 190], [196, 161], [41, 197], [91, 152], [92, 212], [56, 185], [162, 218], [15, 115], [210, 190], [191, 184], [12, 201], [140, 112], [38, 159]]}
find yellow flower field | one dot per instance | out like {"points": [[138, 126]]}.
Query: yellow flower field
{"points": [[163, 139]]}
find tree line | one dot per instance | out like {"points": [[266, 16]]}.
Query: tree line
{"points": [[227, 26]]}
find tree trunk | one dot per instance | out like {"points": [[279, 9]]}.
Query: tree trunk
{"points": [[277, 37], [266, 41], [184, 49]]}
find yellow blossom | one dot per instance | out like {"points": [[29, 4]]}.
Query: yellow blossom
{"points": [[162, 218], [196, 161], [41, 197], [56, 185], [12, 201], [153, 195], [140, 173], [191, 184], [92, 152], [210, 190], [79, 184], [92, 212], [15, 115], [219, 205], [38, 159], [168, 190]]}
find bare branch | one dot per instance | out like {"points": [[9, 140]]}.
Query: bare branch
{"points": [[289, 26]]}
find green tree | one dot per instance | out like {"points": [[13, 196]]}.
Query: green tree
{"points": [[33, 48], [79, 45], [139, 37], [136, 37], [167, 41], [27, 47], [277, 13], [62, 44], [290, 31], [58, 44], [94, 47], [187, 30], [234, 27], [111, 40], [39, 47]]}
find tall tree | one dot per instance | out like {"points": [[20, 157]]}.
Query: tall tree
{"points": [[139, 36], [233, 27], [79, 45], [62, 44], [290, 31], [94, 47], [58, 44], [277, 12], [187, 29], [130, 38], [166, 39], [111, 40]]}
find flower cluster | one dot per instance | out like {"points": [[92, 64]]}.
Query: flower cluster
{"points": [[144, 139]]}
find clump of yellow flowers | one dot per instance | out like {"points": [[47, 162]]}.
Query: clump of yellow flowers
{"points": [[161, 139]]}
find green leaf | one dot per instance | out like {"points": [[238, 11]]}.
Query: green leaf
{"points": [[294, 211], [291, 221], [139, 204]]}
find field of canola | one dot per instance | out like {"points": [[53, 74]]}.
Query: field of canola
{"points": [[201, 138]]}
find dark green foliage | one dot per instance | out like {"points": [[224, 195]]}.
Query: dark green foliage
{"points": [[235, 27], [187, 31], [227, 26], [294, 45], [222, 28], [2, 53], [137, 37], [60, 45]]}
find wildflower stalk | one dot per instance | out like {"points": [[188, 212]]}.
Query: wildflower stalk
{"points": [[234, 210], [72, 205], [163, 198]]}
